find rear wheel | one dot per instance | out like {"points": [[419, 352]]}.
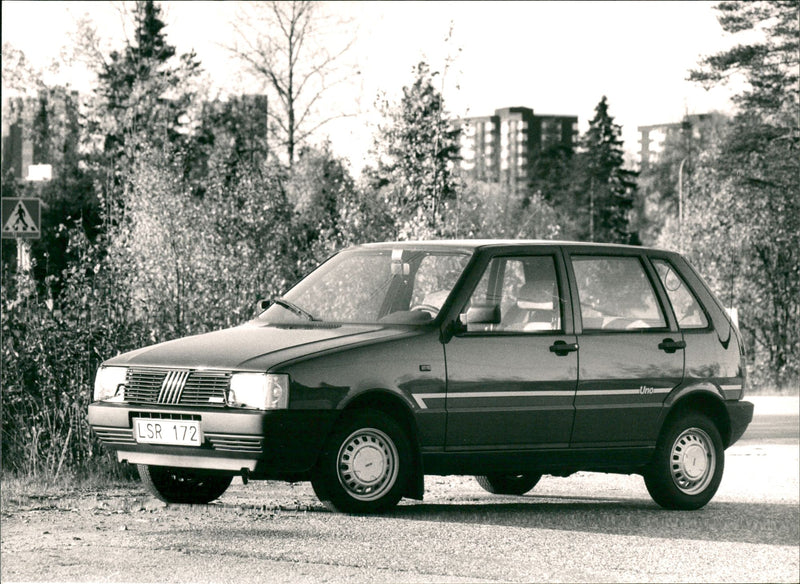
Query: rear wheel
{"points": [[365, 465], [181, 485], [508, 484], [687, 465]]}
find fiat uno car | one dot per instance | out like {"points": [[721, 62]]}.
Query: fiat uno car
{"points": [[506, 360]]}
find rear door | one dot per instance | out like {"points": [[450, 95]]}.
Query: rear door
{"points": [[631, 351], [511, 384]]}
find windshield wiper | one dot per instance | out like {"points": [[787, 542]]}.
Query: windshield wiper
{"points": [[294, 308]]}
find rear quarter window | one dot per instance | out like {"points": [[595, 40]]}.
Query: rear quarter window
{"points": [[684, 303]]}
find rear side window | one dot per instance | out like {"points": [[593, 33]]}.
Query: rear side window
{"points": [[616, 294], [687, 308]]}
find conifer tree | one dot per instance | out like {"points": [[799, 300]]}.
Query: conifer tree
{"points": [[144, 92], [143, 98], [417, 151], [608, 188]]}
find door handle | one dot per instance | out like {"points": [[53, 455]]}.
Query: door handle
{"points": [[561, 348], [670, 346]]}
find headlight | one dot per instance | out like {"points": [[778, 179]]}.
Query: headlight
{"points": [[109, 384], [265, 391]]}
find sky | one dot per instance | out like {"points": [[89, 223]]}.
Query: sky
{"points": [[554, 57]]}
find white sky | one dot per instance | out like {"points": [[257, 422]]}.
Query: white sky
{"points": [[554, 57]]}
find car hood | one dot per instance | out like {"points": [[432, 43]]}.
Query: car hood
{"points": [[253, 346]]}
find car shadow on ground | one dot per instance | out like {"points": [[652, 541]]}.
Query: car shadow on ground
{"points": [[759, 523]]}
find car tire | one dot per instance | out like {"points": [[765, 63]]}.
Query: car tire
{"points": [[508, 484], [687, 465], [180, 485], [365, 465]]}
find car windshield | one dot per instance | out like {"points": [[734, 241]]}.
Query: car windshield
{"points": [[388, 286]]}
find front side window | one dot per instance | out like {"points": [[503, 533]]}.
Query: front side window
{"points": [[687, 308], [525, 291], [399, 286], [616, 294]]}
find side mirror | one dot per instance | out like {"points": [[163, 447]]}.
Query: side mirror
{"points": [[481, 314], [262, 305]]}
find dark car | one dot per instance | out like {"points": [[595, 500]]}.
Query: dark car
{"points": [[501, 359]]}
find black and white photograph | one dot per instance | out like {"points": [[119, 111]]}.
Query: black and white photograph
{"points": [[386, 291]]}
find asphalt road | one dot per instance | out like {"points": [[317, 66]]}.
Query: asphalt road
{"points": [[775, 421], [585, 528]]}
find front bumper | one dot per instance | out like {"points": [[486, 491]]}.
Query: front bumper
{"points": [[265, 444], [740, 414]]}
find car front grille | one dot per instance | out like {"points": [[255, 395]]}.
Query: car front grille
{"points": [[186, 387]]}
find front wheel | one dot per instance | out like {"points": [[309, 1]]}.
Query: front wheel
{"points": [[687, 465], [182, 485], [508, 484], [365, 465]]}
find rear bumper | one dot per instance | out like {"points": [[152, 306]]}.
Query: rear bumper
{"points": [[740, 414], [266, 444]]}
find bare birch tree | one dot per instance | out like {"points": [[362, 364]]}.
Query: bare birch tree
{"points": [[285, 45]]}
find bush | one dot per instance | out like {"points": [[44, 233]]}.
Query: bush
{"points": [[49, 357]]}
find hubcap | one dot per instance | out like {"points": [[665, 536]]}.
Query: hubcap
{"points": [[692, 461], [367, 464]]}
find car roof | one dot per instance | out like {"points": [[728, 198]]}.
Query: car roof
{"points": [[475, 244]]}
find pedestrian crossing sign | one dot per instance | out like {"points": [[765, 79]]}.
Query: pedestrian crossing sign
{"points": [[21, 218]]}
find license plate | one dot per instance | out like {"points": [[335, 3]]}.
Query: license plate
{"points": [[176, 432]]}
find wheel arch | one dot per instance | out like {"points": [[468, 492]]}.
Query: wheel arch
{"points": [[704, 402], [394, 406]]}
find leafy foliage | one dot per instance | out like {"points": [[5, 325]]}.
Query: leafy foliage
{"points": [[658, 183], [743, 216], [318, 190], [492, 210], [195, 264], [744, 229], [50, 352]]}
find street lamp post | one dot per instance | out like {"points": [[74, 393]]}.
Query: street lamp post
{"points": [[680, 202]]}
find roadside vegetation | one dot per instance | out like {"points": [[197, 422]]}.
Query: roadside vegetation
{"points": [[171, 211]]}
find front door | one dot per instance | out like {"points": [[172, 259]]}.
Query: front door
{"points": [[511, 379]]}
